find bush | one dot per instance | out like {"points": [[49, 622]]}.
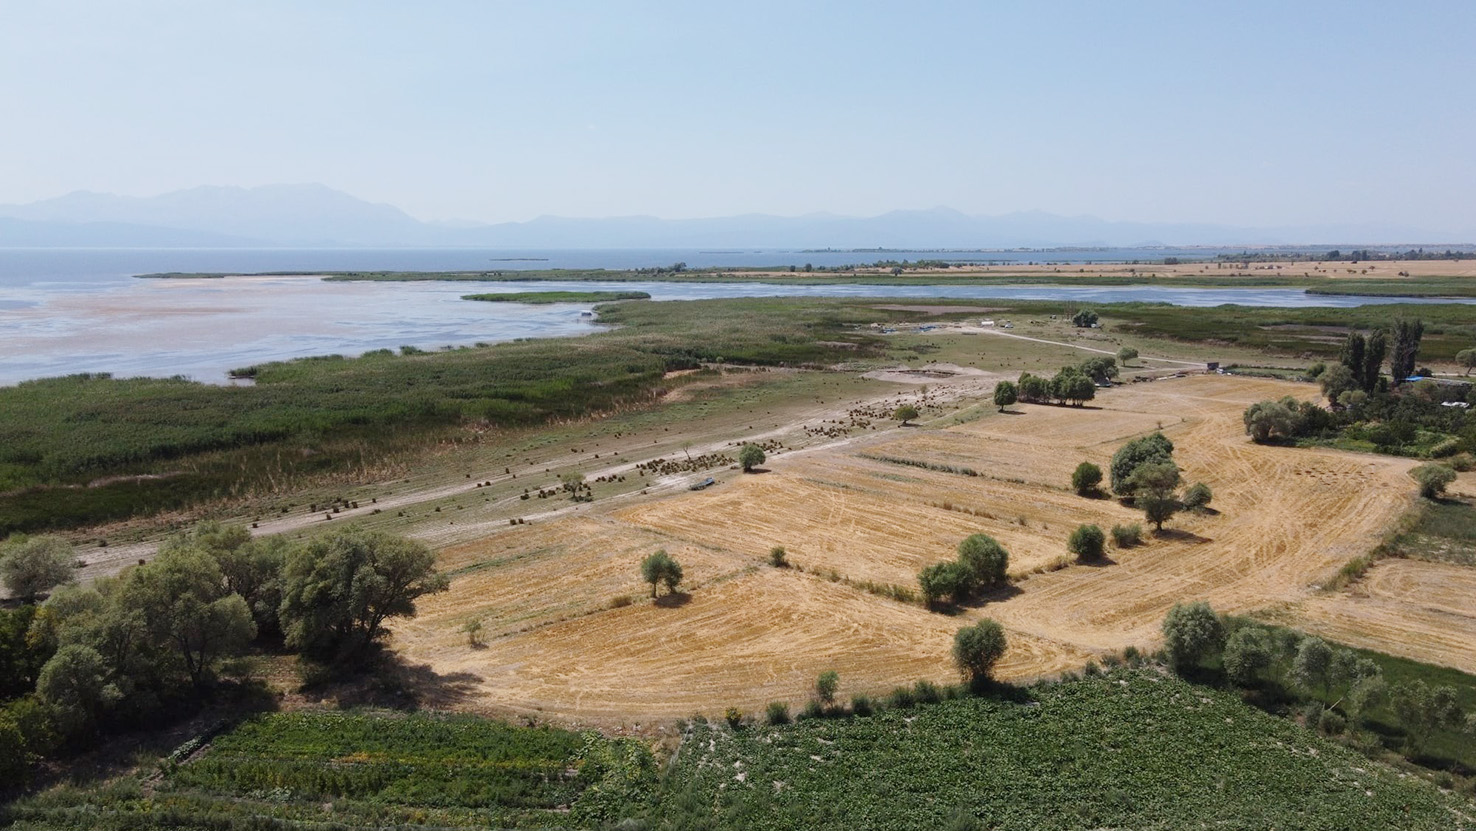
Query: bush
{"points": [[1136, 453], [1086, 478], [1125, 354], [949, 580], [1127, 536], [778, 558], [777, 713], [734, 717], [977, 648], [1433, 479], [905, 413], [825, 686], [31, 566], [750, 457], [985, 559], [1086, 542], [901, 698], [861, 705], [926, 692], [1197, 497], [1191, 633], [813, 709]]}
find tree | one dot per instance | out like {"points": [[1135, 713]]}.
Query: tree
{"points": [[1350, 356], [1005, 394], [949, 580], [1100, 369], [1268, 420], [1467, 359], [905, 413], [1191, 633], [661, 568], [1087, 542], [74, 684], [1248, 651], [751, 456], [1312, 666], [1151, 448], [1071, 385], [1336, 380], [187, 609], [1376, 347], [1422, 710], [1086, 478], [1033, 388], [1197, 497], [977, 648], [825, 686], [1366, 695], [985, 560], [1406, 348], [32, 566], [339, 589], [1158, 509], [1125, 354], [250, 568], [1084, 319], [1433, 479]]}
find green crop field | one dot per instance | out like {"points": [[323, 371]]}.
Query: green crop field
{"points": [[1134, 748]]}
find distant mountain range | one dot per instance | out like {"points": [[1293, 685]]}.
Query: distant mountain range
{"points": [[315, 215]]}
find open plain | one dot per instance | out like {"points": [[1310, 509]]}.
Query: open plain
{"points": [[577, 640]]}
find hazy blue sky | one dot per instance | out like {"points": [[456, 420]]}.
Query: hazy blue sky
{"points": [[1255, 113]]}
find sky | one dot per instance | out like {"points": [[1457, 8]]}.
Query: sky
{"points": [[1247, 113]]}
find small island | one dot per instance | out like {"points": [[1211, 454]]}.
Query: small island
{"points": [[539, 297]]}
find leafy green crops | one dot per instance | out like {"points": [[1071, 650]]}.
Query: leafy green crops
{"points": [[1132, 749]]}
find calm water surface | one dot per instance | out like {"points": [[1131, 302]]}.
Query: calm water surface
{"points": [[81, 311]]}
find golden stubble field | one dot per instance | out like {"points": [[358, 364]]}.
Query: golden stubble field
{"points": [[561, 643]]}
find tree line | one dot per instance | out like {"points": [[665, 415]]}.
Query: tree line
{"points": [[130, 650]]}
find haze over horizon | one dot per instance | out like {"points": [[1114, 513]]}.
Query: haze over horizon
{"points": [[495, 113]]}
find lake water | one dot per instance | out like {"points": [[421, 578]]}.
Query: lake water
{"points": [[81, 311]]}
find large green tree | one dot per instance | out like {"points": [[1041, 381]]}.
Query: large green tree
{"points": [[188, 610], [1406, 348], [1151, 448], [1191, 633], [977, 648], [985, 559], [338, 590]]}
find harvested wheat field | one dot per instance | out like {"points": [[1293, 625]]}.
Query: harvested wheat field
{"points": [[869, 513], [1421, 610]]}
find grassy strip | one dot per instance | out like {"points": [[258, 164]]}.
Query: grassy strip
{"points": [[941, 468], [543, 297], [331, 415]]}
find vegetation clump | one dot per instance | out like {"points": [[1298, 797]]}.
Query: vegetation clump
{"points": [[1087, 543], [661, 568]]}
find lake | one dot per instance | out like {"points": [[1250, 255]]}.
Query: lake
{"points": [[63, 312]]}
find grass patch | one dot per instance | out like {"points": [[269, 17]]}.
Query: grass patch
{"points": [[1444, 532]]}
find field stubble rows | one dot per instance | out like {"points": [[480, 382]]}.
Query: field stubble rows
{"points": [[1286, 520]]}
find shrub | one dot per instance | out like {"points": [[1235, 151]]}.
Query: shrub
{"points": [[901, 698], [750, 457], [1433, 479], [861, 705], [777, 712], [825, 686], [778, 558], [985, 559], [1127, 536], [473, 630], [1191, 632], [1086, 478], [734, 717], [1125, 354], [1197, 497], [31, 566], [926, 692], [1086, 542], [949, 580], [1146, 450], [813, 709], [977, 648]]}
